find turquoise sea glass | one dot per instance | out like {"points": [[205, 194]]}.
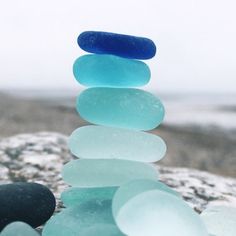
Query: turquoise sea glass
{"points": [[123, 108], [18, 229], [220, 220], [76, 196], [74, 221], [131, 189], [105, 173], [100, 142], [102, 230], [110, 71], [155, 213]]}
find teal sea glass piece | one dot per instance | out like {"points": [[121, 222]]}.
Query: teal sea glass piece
{"points": [[110, 71], [100, 142], [18, 229], [135, 187], [220, 220], [74, 221], [75, 196], [102, 230], [105, 173], [155, 213], [123, 108]]}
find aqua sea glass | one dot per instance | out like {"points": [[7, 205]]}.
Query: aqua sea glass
{"points": [[75, 196], [102, 230], [123, 108], [155, 213], [18, 229], [220, 220], [118, 44], [100, 142], [110, 71], [74, 220], [105, 173], [135, 187]]}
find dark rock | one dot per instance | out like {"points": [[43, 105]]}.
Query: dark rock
{"points": [[31, 203]]}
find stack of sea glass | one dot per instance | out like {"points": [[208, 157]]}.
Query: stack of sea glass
{"points": [[115, 190]]}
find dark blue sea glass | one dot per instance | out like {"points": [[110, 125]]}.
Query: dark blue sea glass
{"points": [[117, 44]]}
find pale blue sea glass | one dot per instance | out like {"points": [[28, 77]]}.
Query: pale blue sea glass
{"points": [[100, 142], [74, 221], [18, 229], [102, 230], [105, 173], [75, 196], [220, 220], [155, 213], [123, 108], [94, 70], [131, 189]]}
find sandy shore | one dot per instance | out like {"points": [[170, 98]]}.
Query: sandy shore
{"points": [[212, 150]]}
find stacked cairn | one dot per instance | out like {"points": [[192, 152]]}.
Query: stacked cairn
{"points": [[115, 190]]}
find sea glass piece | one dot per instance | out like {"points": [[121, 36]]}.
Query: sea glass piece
{"points": [[100, 142], [220, 220], [110, 71], [105, 173], [75, 196], [155, 213], [18, 228], [102, 230], [74, 220], [123, 108], [117, 44], [135, 187]]}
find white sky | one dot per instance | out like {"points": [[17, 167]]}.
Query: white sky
{"points": [[196, 40]]}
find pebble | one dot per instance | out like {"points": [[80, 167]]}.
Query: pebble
{"points": [[18, 229], [135, 187], [117, 44], [155, 213], [100, 142], [76, 220], [123, 108], [110, 71], [220, 220], [103, 230], [28, 202], [105, 172], [76, 196]]}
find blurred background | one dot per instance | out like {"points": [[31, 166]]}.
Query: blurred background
{"points": [[193, 73]]}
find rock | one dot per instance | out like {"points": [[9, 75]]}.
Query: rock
{"points": [[39, 157], [120, 108], [94, 70], [88, 173], [18, 229], [27, 202], [100, 142], [117, 44]]}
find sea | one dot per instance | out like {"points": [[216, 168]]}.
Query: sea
{"points": [[206, 110]]}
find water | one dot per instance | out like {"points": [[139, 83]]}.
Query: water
{"points": [[204, 110]]}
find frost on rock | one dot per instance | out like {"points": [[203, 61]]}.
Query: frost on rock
{"points": [[39, 157]]}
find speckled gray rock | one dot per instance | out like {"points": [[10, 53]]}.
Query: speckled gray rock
{"points": [[39, 158]]}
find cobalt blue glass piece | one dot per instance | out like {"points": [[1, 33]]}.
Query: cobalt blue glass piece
{"points": [[117, 44]]}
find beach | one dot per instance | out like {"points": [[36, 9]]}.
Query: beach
{"points": [[198, 134]]}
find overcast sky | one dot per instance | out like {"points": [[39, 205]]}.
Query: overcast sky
{"points": [[196, 40]]}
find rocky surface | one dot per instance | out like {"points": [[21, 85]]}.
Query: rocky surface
{"points": [[39, 158]]}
